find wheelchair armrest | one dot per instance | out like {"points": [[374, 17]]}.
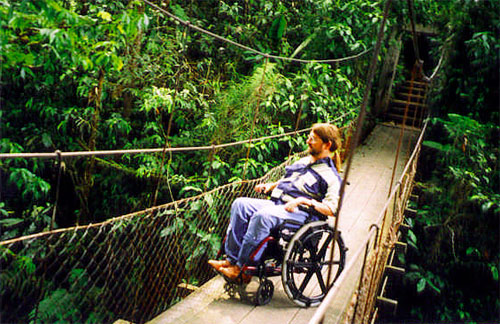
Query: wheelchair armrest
{"points": [[312, 212], [291, 222], [287, 229]]}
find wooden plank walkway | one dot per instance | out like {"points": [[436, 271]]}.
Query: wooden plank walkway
{"points": [[369, 180]]}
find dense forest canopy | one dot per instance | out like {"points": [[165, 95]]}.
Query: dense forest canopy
{"points": [[117, 75], [101, 75]]}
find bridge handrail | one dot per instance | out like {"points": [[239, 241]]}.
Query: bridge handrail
{"points": [[374, 228], [438, 66]]}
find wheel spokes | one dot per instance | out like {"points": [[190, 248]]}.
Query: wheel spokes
{"points": [[306, 280], [324, 247], [320, 280]]}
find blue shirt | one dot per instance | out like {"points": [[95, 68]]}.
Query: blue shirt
{"points": [[319, 180]]}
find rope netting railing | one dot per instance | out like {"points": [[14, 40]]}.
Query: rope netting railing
{"points": [[364, 308], [373, 253], [376, 259], [131, 267]]}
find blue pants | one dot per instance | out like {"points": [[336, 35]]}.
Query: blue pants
{"points": [[251, 222]]}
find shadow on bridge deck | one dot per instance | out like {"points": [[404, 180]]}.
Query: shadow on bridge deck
{"points": [[369, 180]]}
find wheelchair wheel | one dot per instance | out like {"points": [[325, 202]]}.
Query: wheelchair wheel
{"points": [[264, 293], [306, 263]]}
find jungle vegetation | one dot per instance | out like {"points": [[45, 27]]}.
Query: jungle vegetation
{"points": [[102, 75], [453, 256]]}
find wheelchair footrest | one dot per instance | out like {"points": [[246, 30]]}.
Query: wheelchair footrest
{"points": [[270, 271]]}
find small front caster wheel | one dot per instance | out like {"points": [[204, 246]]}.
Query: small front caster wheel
{"points": [[231, 289], [264, 292]]}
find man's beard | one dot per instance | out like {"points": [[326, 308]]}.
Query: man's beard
{"points": [[313, 152]]}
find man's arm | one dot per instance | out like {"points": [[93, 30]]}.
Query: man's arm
{"points": [[318, 206]]}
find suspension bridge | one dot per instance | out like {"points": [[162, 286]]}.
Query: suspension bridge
{"points": [[140, 264], [150, 266], [364, 200]]}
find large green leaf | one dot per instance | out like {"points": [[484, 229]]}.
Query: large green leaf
{"points": [[8, 222]]}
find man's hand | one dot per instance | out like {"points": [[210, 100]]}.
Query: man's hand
{"points": [[265, 187], [294, 203], [318, 206]]}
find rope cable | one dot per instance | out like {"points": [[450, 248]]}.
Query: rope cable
{"points": [[438, 66], [167, 143], [52, 155], [413, 30], [297, 122], [373, 283]]}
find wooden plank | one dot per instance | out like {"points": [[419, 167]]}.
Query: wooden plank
{"points": [[409, 212], [414, 89], [401, 247], [390, 269], [387, 302], [411, 103], [406, 95]]}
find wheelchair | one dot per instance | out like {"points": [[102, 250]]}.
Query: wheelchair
{"points": [[301, 254]]}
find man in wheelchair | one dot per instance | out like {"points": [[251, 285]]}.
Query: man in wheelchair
{"points": [[311, 182]]}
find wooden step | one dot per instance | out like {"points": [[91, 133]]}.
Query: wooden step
{"points": [[420, 83], [406, 95], [397, 118], [414, 89], [401, 110], [410, 100], [403, 102]]}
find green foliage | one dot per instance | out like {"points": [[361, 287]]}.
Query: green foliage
{"points": [[116, 75], [320, 91], [471, 159], [454, 255], [185, 232], [233, 117], [29, 184], [471, 88], [70, 305], [32, 219]]}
